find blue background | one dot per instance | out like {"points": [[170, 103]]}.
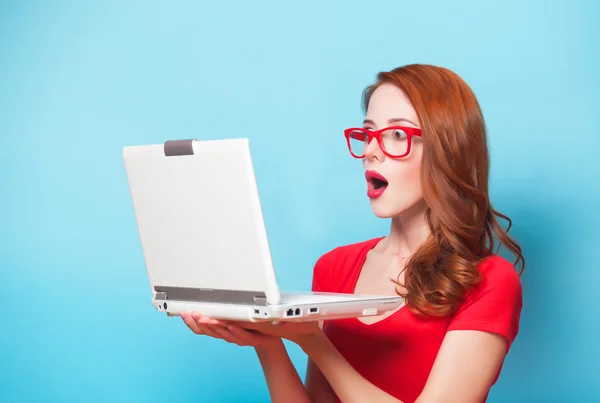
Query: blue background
{"points": [[80, 80]]}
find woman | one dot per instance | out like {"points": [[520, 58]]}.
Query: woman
{"points": [[424, 150]]}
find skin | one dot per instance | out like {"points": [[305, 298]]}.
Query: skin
{"points": [[459, 373]]}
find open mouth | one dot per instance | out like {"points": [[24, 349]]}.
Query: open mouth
{"points": [[376, 182]]}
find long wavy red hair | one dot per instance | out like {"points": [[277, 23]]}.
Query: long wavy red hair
{"points": [[464, 225]]}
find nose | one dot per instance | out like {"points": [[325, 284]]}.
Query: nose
{"points": [[373, 151]]}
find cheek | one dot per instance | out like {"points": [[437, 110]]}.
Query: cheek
{"points": [[407, 181], [407, 177]]}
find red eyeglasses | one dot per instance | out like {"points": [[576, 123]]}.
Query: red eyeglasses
{"points": [[395, 141]]}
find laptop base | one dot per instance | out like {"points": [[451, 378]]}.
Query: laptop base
{"points": [[294, 307]]}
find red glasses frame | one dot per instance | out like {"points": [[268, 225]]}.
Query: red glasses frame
{"points": [[376, 134]]}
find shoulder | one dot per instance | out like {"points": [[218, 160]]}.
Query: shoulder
{"points": [[500, 284], [498, 273], [337, 262], [495, 303]]}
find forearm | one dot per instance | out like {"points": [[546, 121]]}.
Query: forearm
{"points": [[347, 383], [283, 380]]}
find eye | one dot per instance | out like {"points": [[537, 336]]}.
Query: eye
{"points": [[399, 134]]}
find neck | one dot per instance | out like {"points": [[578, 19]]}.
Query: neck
{"points": [[408, 232]]}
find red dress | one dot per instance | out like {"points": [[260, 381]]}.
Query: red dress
{"points": [[397, 353]]}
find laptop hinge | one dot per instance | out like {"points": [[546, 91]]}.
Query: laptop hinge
{"points": [[210, 295], [179, 147], [260, 300]]}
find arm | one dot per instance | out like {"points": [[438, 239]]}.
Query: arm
{"points": [[282, 378], [470, 357], [317, 385], [465, 367], [458, 375]]}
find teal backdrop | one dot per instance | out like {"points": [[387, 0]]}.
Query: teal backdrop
{"points": [[79, 80]]}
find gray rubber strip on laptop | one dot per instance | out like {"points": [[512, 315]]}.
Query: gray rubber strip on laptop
{"points": [[179, 147], [210, 295]]}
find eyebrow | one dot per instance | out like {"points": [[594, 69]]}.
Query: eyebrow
{"points": [[392, 120]]}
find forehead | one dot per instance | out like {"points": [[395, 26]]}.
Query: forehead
{"points": [[389, 102]]}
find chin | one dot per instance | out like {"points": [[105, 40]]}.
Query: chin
{"points": [[389, 208], [382, 209]]}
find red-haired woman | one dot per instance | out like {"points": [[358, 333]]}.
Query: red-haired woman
{"points": [[424, 150]]}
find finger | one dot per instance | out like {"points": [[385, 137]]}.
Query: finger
{"points": [[250, 325], [203, 320], [217, 329], [247, 337], [227, 335], [191, 323], [209, 321], [267, 328], [224, 329], [204, 324], [208, 331], [217, 322]]}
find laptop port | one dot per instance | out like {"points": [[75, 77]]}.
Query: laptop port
{"points": [[290, 312], [314, 310], [297, 311]]}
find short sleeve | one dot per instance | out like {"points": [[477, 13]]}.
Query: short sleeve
{"points": [[495, 304]]}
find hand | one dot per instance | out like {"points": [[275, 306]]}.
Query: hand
{"points": [[228, 331], [252, 333], [297, 332]]}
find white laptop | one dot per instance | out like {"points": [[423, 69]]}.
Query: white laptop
{"points": [[205, 243]]}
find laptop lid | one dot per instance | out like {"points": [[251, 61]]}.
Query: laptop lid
{"points": [[200, 221]]}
